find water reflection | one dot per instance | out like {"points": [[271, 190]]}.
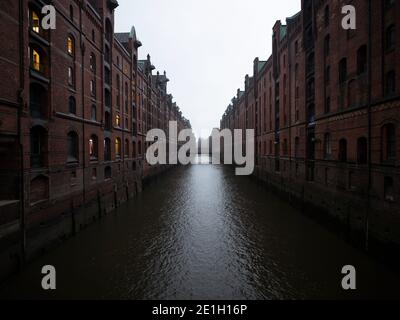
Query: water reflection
{"points": [[200, 232]]}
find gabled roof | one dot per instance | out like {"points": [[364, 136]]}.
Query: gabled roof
{"points": [[122, 37]]}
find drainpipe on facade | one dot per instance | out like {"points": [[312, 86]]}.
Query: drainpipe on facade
{"points": [[20, 142], [83, 106], [369, 126]]}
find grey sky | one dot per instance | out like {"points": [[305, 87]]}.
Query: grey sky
{"points": [[206, 46]]}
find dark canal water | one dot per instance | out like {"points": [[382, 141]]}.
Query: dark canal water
{"points": [[200, 232]]}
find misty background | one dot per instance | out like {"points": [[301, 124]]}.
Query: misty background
{"points": [[205, 46]]}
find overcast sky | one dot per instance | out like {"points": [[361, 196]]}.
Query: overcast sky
{"points": [[206, 47]]}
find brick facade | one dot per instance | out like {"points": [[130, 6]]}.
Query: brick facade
{"points": [[75, 107], [326, 112]]}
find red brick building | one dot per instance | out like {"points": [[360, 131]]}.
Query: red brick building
{"points": [[75, 107], [325, 108]]}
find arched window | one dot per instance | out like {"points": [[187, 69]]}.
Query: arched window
{"points": [[362, 150], [118, 147], [93, 147], [327, 146], [117, 121], [72, 147], [343, 150], [71, 46], [127, 148], [38, 146], [389, 142], [72, 105], [107, 149]]}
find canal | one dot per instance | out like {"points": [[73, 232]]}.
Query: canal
{"points": [[200, 232]]}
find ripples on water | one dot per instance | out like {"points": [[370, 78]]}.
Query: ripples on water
{"points": [[199, 232]]}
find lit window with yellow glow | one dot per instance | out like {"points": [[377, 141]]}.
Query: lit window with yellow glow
{"points": [[35, 60], [70, 46], [118, 147], [35, 22], [118, 121]]}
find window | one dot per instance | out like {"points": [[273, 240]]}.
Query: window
{"points": [[93, 36], [389, 3], [107, 97], [327, 45], [71, 12], [107, 149], [93, 147], [390, 38], [296, 47], [38, 138], [35, 21], [390, 83], [343, 150], [296, 147], [71, 77], [72, 147], [134, 149], [327, 146], [140, 148], [327, 75], [389, 142], [70, 46], [117, 121], [92, 87], [107, 173], [38, 101], [94, 113], [93, 63], [94, 173], [285, 147], [389, 189], [118, 147], [72, 105], [36, 60], [326, 16], [328, 104], [362, 150], [107, 121], [362, 60], [343, 70], [126, 148]]}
